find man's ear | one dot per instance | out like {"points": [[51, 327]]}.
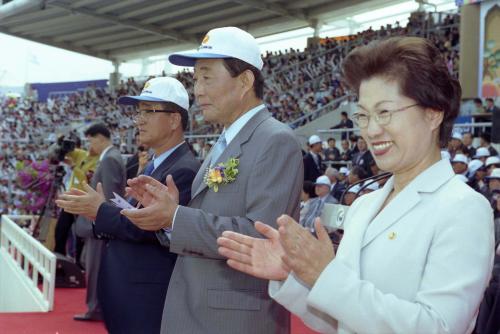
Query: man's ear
{"points": [[247, 80]]}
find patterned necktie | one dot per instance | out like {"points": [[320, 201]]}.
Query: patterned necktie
{"points": [[218, 148]]}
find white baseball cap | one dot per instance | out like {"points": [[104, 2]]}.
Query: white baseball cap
{"points": [[460, 158], [495, 174], [314, 139], [161, 89], [457, 135], [323, 180], [482, 152], [474, 165], [220, 43], [495, 160], [344, 170]]}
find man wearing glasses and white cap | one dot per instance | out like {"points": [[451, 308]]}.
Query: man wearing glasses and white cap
{"points": [[136, 269], [253, 173]]}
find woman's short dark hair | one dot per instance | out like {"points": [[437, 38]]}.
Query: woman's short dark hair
{"points": [[235, 67], [417, 65]]}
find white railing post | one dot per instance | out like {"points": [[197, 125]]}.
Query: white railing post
{"points": [[27, 260]]}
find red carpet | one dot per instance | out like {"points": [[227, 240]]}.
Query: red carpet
{"points": [[67, 303]]}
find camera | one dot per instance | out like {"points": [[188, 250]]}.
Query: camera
{"points": [[58, 151]]}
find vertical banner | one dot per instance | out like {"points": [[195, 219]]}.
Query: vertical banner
{"points": [[490, 80]]}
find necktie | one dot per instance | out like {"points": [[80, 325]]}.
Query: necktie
{"points": [[149, 168], [218, 148]]}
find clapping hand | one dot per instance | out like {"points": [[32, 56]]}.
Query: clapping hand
{"points": [[305, 255], [261, 258], [79, 202], [160, 202]]}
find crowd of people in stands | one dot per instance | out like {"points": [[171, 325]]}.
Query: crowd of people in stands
{"points": [[297, 84]]}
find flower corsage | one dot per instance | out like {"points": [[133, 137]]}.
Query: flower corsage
{"points": [[223, 173]]}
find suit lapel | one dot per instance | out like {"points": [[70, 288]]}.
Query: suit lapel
{"points": [[428, 181], [233, 150], [396, 209], [350, 247], [169, 161]]}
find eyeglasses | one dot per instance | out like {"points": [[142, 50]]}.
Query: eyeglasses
{"points": [[382, 117], [141, 114]]}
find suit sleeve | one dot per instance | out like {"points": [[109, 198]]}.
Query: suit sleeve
{"points": [[449, 294], [274, 189], [112, 177], [110, 224]]}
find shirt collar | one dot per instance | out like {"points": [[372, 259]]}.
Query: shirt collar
{"points": [[236, 127], [157, 161], [104, 152]]}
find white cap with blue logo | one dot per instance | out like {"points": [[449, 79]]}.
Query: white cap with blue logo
{"points": [[220, 43]]}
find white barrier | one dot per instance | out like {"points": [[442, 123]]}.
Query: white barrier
{"points": [[24, 263]]}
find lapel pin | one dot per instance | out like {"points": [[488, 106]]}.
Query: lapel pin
{"points": [[392, 236]]}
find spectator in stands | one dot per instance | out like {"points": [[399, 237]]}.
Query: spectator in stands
{"points": [[482, 153], [346, 153], [490, 106], [369, 286], [308, 193], [313, 162], [492, 163], [337, 187], [478, 106], [460, 164], [332, 152], [322, 188], [468, 149], [345, 123], [363, 158], [356, 173], [493, 182], [485, 141], [455, 146]]}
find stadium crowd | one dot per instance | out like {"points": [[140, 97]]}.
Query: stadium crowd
{"points": [[297, 84]]}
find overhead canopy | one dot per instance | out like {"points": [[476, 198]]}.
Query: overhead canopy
{"points": [[120, 30]]}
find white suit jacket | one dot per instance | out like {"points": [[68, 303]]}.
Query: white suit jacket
{"points": [[421, 265]]}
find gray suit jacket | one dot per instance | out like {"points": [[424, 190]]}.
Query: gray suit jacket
{"points": [[111, 173], [205, 295]]}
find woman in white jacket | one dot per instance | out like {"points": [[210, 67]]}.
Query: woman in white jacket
{"points": [[416, 254]]}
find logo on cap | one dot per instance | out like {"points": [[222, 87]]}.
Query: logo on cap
{"points": [[205, 39]]}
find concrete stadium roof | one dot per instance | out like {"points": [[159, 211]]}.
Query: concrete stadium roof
{"points": [[120, 30]]}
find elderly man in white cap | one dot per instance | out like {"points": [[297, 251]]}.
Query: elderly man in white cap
{"points": [[136, 269], [315, 208], [253, 173], [313, 167]]}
